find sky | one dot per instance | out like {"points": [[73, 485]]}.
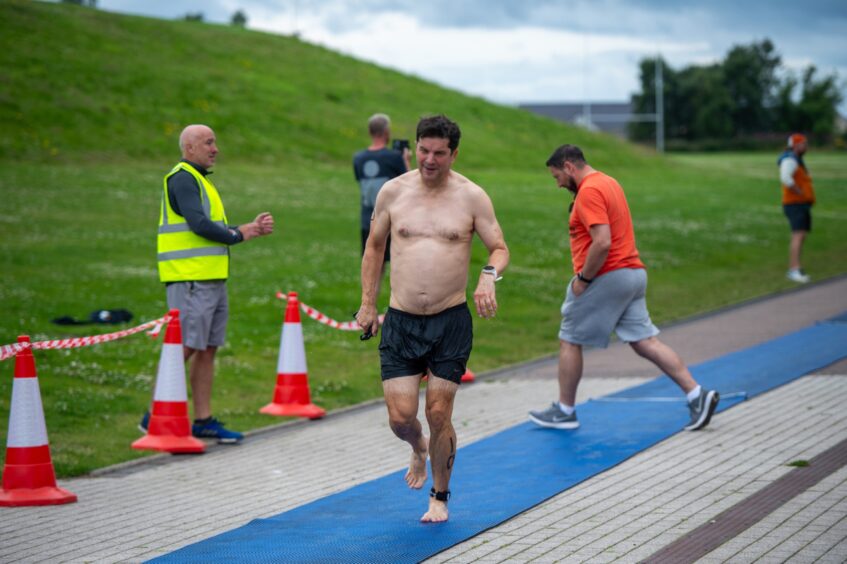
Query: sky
{"points": [[539, 51]]}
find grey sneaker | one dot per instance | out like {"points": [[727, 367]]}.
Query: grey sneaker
{"points": [[797, 275], [554, 418], [702, 409]]}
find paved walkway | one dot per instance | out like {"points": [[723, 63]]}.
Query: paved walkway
{"points": [[136, 511]]}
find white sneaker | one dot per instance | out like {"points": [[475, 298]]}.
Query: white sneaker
{"points": [[797, 275]]}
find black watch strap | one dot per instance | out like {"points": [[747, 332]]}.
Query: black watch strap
{"points": [[584, 279]]}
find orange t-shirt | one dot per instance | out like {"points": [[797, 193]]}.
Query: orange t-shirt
{"points": [[600, 201]]}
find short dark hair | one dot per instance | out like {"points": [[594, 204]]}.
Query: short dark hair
{"points": [[569, 153], [439, 126]]}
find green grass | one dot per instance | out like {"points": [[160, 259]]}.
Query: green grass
{"points": [[799, 463], [90, 106]]}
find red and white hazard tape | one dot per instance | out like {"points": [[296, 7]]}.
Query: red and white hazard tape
{"points": [[7, 351], [326, 320]]}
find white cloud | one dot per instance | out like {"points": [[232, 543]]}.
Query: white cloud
{"points": [[544, 50], [508, 65]]}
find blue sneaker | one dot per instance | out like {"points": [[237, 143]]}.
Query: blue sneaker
{"points": [[145, 422], [214, 429]]}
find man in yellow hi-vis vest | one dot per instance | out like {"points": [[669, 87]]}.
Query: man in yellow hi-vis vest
{"points": [[193, 256]]}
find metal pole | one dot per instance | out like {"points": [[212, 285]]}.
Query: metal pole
{"points": [[660, 106]]}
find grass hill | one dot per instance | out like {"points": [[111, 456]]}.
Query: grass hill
{"points": [[89, 84], [91, 104]]}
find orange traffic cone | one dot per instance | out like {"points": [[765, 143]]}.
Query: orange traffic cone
{"points": [[169, 429], [28, 476], [291, 395]]}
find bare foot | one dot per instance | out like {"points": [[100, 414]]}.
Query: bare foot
{"points": [[416, 476], [437, 512]]}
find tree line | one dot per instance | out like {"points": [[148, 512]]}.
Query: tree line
{"points": [[746, 100]]}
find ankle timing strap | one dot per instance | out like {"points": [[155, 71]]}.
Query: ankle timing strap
{"points": [[440, 496]]}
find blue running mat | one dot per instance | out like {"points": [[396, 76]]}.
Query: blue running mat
{"points": [[507, 473]]}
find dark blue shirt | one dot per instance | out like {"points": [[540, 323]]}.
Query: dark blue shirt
{"points": [[372, 170]]}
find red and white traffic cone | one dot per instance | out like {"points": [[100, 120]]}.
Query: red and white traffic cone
{"points": [[169, 429], [28, 476], [291, 395]]}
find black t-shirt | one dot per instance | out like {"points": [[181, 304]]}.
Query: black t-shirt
{"points": [[372, 170]]}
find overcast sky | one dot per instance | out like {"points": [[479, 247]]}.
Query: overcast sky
{"points": [[514, 51]]}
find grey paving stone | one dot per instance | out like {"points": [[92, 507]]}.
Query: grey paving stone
{"points": [[624, 514]]}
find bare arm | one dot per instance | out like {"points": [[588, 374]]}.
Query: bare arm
{"points": [[486, 226], [372, 263], [598, 250]]}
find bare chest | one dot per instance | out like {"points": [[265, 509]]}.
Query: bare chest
{"points": [[444, 220]]}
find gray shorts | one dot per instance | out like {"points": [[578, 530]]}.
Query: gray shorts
{"points": [[203, 311], [615, 302]]}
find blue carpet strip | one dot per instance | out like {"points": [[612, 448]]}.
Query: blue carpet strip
{"points": [[507, 473]]}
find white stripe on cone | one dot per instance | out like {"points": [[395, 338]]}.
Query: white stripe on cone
{"points": [[26, 417], [170, 380], [292, 351]]}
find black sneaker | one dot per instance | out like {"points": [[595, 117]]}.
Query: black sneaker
{"points": [[702, 409], [554, 418]]}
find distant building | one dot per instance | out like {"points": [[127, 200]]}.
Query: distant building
{"points": [[609, 117]]}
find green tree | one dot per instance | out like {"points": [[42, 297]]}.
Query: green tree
{"points": [[645, 102], [194, 17], [816, 111], [701, 107], [239, 19], [751, 82], [738, 99]]}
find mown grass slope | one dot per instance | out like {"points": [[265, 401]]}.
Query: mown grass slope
{"points": [[91, 104]]}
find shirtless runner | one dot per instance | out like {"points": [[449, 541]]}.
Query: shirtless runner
{"points": [[431, 214]]}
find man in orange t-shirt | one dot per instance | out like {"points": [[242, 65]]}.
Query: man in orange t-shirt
{"points": [[608, 292]]}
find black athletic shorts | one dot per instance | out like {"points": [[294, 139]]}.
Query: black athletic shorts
{"points": [[387, 256], [412, 344], [799, 216]]}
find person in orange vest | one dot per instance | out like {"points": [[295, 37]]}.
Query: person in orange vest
{"points": [[798, 196]]}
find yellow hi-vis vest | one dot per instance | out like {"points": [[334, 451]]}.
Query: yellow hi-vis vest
{"points": [[183, 255]]}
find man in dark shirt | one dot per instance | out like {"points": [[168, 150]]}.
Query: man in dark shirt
{"points": [[193, 256], [375, 166]]}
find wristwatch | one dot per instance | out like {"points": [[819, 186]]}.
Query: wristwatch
{"points": [[584, 279], [488, 269]]}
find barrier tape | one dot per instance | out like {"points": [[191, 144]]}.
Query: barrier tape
{"points": [[7, 351], [325, 319]]}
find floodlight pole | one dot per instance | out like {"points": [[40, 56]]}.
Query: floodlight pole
{"points": [[660, 106]]}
